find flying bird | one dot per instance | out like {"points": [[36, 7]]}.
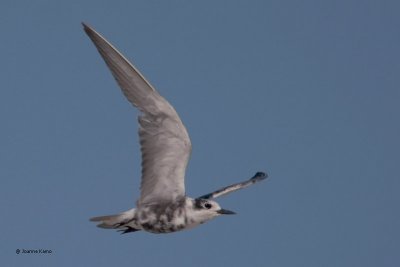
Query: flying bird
{"points": [[163, 206]]}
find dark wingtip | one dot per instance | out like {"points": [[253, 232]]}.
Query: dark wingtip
{"points": [[86, 28], [260, 176], [128, 230]]}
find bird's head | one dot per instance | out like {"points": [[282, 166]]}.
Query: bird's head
{"points": [[206, 209]]}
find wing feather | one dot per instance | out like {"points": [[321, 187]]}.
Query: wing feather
{"points": [[165, 143], [259, 176]]}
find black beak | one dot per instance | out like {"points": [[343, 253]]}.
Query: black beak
{"points": [[225, 212]]}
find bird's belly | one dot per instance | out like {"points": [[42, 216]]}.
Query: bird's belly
{"points": [[164, 219], [167, 225], [160, 227]]}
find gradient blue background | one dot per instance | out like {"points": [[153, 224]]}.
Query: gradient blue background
{"points": [[308, 91]]}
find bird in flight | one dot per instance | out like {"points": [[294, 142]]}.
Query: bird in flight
{"points": [[163, 206]]}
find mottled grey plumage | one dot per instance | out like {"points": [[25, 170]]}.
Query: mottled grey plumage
{"points": [[163, 206]]}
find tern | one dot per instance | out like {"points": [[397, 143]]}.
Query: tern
{"points": [[163, 206]]}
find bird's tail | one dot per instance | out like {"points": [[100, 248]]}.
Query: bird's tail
{"points": [[122, 221]]}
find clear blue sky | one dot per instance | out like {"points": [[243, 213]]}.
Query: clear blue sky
{"points": [[308, 91]]}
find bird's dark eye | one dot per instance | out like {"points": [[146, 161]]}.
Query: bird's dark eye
{"points": [[207, 206]]}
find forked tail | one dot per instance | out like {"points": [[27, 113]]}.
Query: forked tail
{"points": [[122, 221]]}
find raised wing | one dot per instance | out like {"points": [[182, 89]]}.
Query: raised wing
{"points": [[259, 176], [165, 143]]}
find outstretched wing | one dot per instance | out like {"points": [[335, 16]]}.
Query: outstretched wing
{"points": [[165, 143], [259, 176]]}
